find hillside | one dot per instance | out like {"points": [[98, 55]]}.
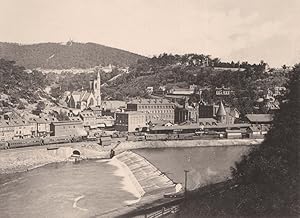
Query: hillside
{"points": [[66, 56], [267, 180], [248, 81]]}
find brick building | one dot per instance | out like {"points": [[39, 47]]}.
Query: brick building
{"points": [[154, 109]]}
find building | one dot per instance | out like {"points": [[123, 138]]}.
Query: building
{"points": [[7, 131], [222, 91], [96, 110], [88, 98], [72, 127], [89, 119], [259, 119], [41, 126], [149, 90], [154, 109], [130, 121], [186, 113], [113, 105], [230, 114], [105, 121]]}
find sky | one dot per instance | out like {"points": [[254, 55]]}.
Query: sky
{"points": [[245, 30]]}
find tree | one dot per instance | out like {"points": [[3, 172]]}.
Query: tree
{"points": [[272, 169]]}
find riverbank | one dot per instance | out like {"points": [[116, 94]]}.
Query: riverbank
{"points": [[24, 159]]}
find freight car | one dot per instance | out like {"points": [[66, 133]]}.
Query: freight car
{"points": [[56, 140], [19, 143], [156, 137]]}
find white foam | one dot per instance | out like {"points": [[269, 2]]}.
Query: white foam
{"points": [[128, 184], [76, 201]]}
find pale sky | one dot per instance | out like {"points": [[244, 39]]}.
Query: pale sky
{"points": [[230, 29]]}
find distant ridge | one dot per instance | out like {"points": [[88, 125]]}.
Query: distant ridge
{"points": [[66, 55]]}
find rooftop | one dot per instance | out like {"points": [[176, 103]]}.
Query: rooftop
{"points": [[150, 101], [264, 118]]}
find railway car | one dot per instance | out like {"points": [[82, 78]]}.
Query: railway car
{"points": [[156, 137], [77, 139], [185, 136], [105, 140], [3, 145], [173, 137], [56, 140], [135, 138], [19, 143]]}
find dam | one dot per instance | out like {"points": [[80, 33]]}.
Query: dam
{"points": [[145, 176]]}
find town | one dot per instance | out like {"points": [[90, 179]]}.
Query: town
{"points": [[150, 109], [160, 118]]}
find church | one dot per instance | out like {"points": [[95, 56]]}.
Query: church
{"points": [[88, 98]]}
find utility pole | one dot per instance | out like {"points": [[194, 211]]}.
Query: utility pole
{"points": [[185, 182]]}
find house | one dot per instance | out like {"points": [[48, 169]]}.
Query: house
{"points": [[222, 91], [149, 90], [22, 128], [7, 131], [72, 127], [96, 110], [154, 109], [130, 121], [88, 118], [42, 126], [105, 121]]}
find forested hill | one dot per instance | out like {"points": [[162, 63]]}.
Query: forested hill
{"points": [[66, 56]]}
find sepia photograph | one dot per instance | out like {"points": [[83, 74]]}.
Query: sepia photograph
{"points": [[149, 108]]}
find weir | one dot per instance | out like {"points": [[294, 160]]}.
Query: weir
{"points": [[150, 180]]}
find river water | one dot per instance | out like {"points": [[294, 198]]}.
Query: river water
{"points": [[87, 189], [93, 188]]}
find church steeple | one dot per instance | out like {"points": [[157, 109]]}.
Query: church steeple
{"points": [[97, 89]]}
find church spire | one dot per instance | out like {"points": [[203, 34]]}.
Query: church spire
{"points": [[98, 89]]}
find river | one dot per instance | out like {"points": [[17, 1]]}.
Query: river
{"points": [[93, 188], [87, 189]]}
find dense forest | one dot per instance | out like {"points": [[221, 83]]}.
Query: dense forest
{"points": [[66, 56], [16, 83], [266, 180]]}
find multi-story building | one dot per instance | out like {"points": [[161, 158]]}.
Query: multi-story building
{"points": [[88, 118], [130, 121], [154, 109], [41, 126], [7, 131]]}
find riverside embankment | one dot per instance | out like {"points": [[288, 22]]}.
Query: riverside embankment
{"points": [[16, 160]]}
